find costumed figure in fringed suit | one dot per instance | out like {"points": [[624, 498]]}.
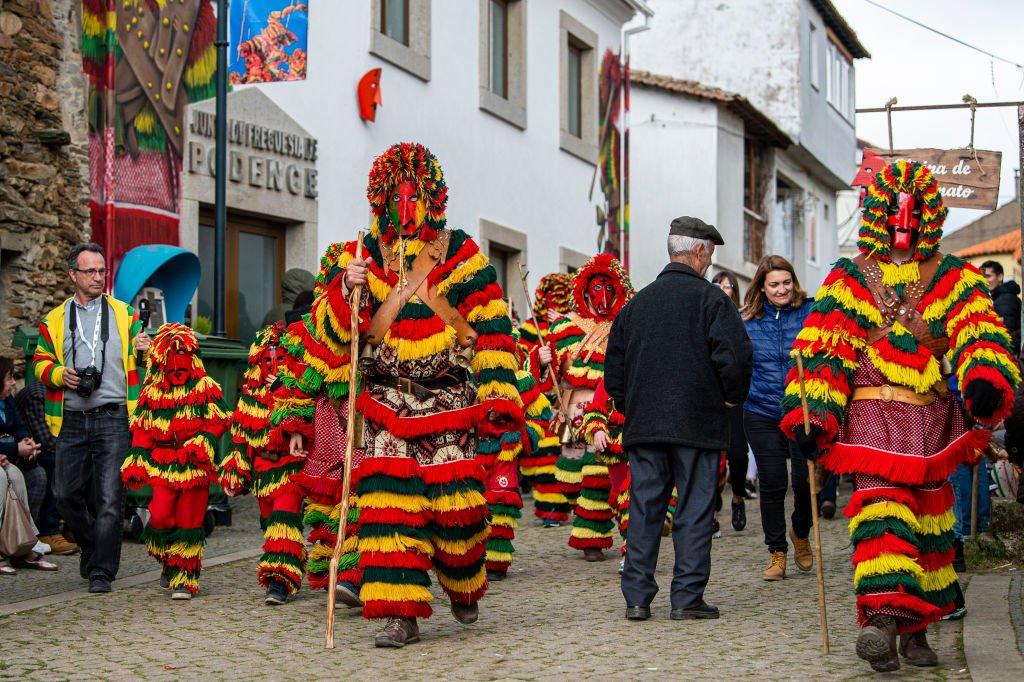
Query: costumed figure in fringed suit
{"points": [[502, 492], [174, 429], [311, 408], [600, 289], [428, 401], [552, 299], [886, 331], [262, 465]]}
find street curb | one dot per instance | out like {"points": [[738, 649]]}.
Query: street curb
{"points": [[990, 644], [121, 583]]}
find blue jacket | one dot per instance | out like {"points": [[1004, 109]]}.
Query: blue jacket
{"points": [[773, 336]]}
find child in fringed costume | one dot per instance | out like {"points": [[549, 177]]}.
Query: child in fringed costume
{"points": [[175, 429], [887, 329], [310, 406], [266, 468], [552, 299], [428, 407], [600, 289]]}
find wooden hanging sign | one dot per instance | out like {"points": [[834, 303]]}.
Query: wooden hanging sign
{"points": [[963, 181]]}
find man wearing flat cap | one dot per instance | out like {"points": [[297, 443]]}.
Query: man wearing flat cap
{"points": [[678, 358]]}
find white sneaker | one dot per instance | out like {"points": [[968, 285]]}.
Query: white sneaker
{"points": [[622, 565], [41, 548]]}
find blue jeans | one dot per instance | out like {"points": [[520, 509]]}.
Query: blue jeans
{"points": [[93, 446], [48, 520], [961, 480]]}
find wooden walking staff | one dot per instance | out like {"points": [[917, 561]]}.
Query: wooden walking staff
{"points": [[350, 437], [540, 336], [812, 481]]}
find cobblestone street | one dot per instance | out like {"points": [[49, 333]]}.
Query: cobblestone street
{"points": [[557, 617]]}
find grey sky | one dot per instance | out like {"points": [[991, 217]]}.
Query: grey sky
{"points": [[920, 67]]}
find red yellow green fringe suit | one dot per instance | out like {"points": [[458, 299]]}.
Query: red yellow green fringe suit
{"points": [[313, 403], [175, 428], [900, 451], [580, 339], [254, 463], [420, 488], [601, 415], [538, 467]]}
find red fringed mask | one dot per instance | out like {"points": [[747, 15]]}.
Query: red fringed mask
{"points": [[403, 208], [178, 367], [600, 294], [904, 221]]}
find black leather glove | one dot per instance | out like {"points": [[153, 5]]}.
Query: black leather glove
{"points": [[808, 442], [982, 398]]}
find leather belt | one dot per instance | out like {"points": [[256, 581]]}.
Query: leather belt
{"points": [[890, 394], [100, 409], [422, 389]]}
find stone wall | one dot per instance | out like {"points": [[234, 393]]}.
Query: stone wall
{"points": [[44, 195]]}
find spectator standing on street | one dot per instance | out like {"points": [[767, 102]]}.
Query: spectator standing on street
{"points": [[773, 311], [1006, 297], [30, 402], [678, 359], [86, 360], [737, 452]]}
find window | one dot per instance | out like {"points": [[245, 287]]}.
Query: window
{"points": [[400, 34], [839, 79], [498, 21], [755, 182], [786, 219], [503, 60], [578, 89], [813, 61], [506, 248], [394, 20], [811, 232]]}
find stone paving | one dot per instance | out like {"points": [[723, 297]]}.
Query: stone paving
{"points": [[556, 617]]}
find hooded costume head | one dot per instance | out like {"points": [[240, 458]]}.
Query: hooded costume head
{"points": [[554, 294], [407, 194], [174, 359], [265, 356], [902, 210], [600, 288]]}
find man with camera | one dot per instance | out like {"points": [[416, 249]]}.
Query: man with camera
{"points": [[86, 360]]}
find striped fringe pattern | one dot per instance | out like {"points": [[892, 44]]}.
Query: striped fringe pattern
{"points": [[504, 503], [460, 528], [284, 549], [569, 474], [183, 557], [322, 520], [592, 524]]}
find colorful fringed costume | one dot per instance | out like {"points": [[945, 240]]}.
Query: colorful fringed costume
{"points": [[428, 410], [552, 299], [175, 429], [580, 339], [874, 347], [256, 463]]}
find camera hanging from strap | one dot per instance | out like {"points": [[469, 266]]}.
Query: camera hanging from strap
{"points": [[100, 330]]}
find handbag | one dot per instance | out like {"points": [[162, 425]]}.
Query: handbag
{"points": [[16, 536]]}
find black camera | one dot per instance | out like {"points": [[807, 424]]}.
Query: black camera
{"points": [[144, 313], [89, 380]]}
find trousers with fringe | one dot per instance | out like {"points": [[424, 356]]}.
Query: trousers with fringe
{"points": [[284, 548], [593, 517], [174, 534]]}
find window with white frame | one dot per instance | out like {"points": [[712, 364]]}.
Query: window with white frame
{"points": [[811, 228], [839, 80], [578, 91], [503, 59], [813, 62], [506, 248], [400, 34]]}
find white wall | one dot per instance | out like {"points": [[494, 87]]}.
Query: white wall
{"points": [[673, 172], [518, 179]]}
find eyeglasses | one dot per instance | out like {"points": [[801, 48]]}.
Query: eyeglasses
{"points": [[92, 272], [724, 286]]}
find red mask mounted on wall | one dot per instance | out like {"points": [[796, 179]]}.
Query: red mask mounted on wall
{"points": [[403, 206], [904, 221], [368, 92], [178, 367], [600, 294]]}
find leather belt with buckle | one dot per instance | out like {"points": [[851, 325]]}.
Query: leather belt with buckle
{"points": [[893, 394], [425, 389]]}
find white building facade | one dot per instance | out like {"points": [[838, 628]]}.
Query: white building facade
{"points": [[766, 195], [504, 93]]}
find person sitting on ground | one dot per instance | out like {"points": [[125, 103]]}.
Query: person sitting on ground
{"points": [[30, 402], [16, 443]]}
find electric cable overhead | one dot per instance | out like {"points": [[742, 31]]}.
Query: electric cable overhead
{"points": [[945, 35]]}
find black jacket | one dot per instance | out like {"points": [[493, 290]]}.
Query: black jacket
{"points": [[1006, 298], [676, 354]]}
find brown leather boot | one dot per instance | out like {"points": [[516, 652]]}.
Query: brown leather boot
{"points": [[802, 555], [914, 647], [397, 633], [776, 567], [877, 644], [465, 613]]}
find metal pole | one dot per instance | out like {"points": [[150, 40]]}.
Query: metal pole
{"points": [[933, 107], [220, 172]]}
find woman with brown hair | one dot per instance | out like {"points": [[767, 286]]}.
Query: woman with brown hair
{"points": [[737, 452], [773, 311]]}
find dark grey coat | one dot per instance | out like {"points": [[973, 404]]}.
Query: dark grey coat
{"points": [[676, 354]]}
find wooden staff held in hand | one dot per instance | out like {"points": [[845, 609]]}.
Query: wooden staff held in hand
{"points": [[812, 480], [543, 341], [350, 436]]}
